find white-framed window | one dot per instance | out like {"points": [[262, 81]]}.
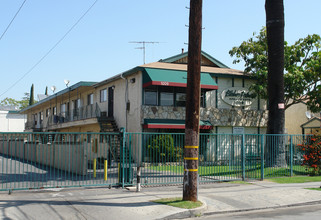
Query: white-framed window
{"points": [[103, 95], [90, 99]]}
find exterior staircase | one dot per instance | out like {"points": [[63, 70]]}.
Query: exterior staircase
{"points": [[109, 125]]}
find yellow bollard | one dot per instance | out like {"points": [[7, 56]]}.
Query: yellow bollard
{"points": [[95, 161], [105, 170], [118, 170]]}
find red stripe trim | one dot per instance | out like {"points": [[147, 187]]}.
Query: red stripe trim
{"points": [[174, 84], [169, 126]]}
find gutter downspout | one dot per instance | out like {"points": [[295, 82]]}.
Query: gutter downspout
{"points": [[126, 100]]}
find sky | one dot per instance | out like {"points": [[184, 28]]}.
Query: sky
{"points": [[98, 46]]}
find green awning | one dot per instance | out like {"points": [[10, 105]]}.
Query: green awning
{"points": [[176, 78], [172, 124]]}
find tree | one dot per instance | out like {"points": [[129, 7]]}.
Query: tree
{"points": [[20, 103], [25, 101], [9, 101], [32, 99], [302, 68]]}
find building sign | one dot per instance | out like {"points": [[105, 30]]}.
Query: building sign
{"points": [[238, 96], [238, 130]]}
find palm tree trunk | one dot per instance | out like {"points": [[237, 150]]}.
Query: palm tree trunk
{"points": [[275, 39]]}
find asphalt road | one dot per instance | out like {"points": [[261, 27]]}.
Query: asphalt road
{"points": [[308, 212]]}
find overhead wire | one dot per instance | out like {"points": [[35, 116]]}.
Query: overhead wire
{"points": [[51, 49], [14, 17]]}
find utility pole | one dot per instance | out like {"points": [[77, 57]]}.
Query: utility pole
{"points": [[144, 46], [190, 184]]}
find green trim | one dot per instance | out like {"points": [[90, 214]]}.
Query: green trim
{"points": [[172, 59], [13, 112], [224, 75], [174, 76], [64, 91]]}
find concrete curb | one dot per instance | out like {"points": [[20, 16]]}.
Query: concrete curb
{"points": [[262, 208], [201, 210], [188, 213]]}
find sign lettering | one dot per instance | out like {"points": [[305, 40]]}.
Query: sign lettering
{"points": [[238, 96]]}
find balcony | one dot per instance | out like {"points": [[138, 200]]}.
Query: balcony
{"points": [[34, 126], [82, 113]]}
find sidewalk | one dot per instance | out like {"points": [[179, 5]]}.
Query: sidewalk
{"points": [[103, 203]]}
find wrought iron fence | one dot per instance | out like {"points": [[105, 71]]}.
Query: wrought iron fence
{"points": [[42, 160]]}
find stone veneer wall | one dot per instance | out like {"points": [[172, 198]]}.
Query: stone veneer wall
{"points": [[218, 117]]}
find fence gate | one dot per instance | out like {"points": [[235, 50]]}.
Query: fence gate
{"points": [[47, 160]]}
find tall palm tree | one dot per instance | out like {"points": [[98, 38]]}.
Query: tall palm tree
{"points": [[275, 39]]}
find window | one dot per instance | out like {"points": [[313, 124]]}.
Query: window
{"points": [[90, 99], [203, 99], [103, 95], [54, 110], [151, 95], [47, 112], [35, 118], [76, 103], [63, 110], [167, 96], [40, 117], [180, 99]]}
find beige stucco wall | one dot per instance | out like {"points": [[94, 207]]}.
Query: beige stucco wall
{"points": [[133, 96], [224, 83], [294, 118]]}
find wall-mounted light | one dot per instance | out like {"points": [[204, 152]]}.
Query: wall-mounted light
{"points": [[132, 80], [113, 87]]}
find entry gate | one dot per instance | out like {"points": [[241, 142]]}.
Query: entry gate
{"points": [[49, 160]]}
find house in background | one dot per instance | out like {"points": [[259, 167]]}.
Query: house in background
{"points": [[151, 98], [11, 120], [300, 120]]}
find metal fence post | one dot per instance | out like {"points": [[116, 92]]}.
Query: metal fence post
{"points": [[262, 157], [291, 156], [243, 156], [123, 156]]}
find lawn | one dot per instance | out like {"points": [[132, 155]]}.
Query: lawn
{"points": [[178, 202], [296, 179], [252, 172]]}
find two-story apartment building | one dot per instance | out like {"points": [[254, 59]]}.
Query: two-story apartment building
{"points": [[151, 97]]}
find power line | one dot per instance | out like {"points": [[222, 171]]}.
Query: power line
{"points": [[13, 19], [52, 48]]}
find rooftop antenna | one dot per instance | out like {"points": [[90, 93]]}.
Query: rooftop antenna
{"points": [[144, 45], [66, 81], [53, 88]]}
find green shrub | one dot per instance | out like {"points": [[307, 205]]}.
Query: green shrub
{"points": [[160, 148], [312, 154]]}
